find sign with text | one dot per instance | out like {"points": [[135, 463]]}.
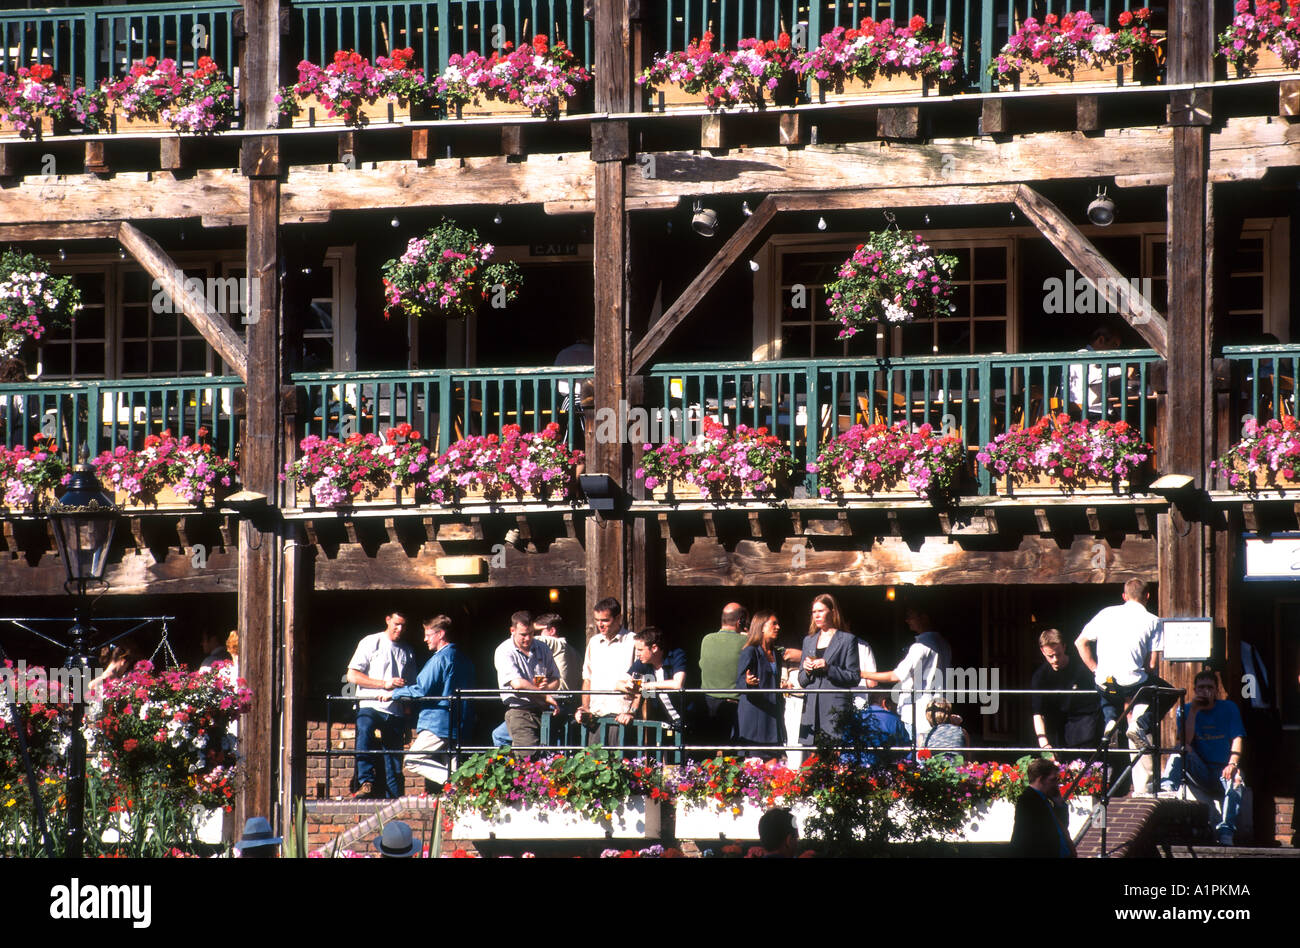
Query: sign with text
{"points": [[1189, 639], [1273, 557]]}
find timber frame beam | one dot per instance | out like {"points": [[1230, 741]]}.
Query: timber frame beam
{"points": [[1080, 252], [212, 326]]}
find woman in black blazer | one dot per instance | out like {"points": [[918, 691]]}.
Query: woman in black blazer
{"points": [[830, 661], [761, 717]]}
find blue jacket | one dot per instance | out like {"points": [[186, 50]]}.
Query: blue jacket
{"points": [[442, 675]]}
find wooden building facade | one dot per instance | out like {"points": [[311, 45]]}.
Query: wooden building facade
{"points": [[596, 207]]}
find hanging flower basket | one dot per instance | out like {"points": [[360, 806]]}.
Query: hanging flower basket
{"points": [[894, 277], [32, 301], [446, 272], [889, 459], [881, 58], [1060, 456]]}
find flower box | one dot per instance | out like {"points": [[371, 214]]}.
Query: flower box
{"points": [[119, 121], [312, 113], [42, 127], [856, 90], [390, 496], [486, 107], [166, 499], [638, 818], [1041, 485], [716, 821], [1267, 63], [675, 491], [848, 490]]}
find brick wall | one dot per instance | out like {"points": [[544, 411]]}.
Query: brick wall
{"points": [[342, 737], [355, 824]]}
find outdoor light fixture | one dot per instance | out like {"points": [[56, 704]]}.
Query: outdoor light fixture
{"points": [[1012, 216], [602, 492], [63, 254], [704, 221], [83, 519], [1102, 209], [745, 209], [497, 219], [891, 593], [553, 595], [395, 222], [753, 265], [821, 223]]}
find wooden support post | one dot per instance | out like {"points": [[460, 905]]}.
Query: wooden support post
{"points": [[898, 121], [170, 151], [1288, 98], [348, 150], [993, 117], [261, 609], [606, 543], [1187, 432], [512, 141], [711, 131], [95, 159], [8, 161], [1087, 113], [423, 145], [794, 129]]}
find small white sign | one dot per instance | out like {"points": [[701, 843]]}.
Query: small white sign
{"points": [[1275, 558], [1187, 640]]}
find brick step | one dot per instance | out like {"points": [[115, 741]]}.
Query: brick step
{"points": [[337, 826], [1229, 852], [1137, 826]]}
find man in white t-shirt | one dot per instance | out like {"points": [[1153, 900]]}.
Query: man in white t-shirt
{"points": [[380, 664], [608, 657], [920, 675], [1121, 645]]}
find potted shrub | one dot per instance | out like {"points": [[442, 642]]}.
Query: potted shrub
{"points": [[32, 300], [446, 272], [871, 459], [1058, 455], [757, 73], [719, 465], [894, 277], [881, 58], [1266, 457]]}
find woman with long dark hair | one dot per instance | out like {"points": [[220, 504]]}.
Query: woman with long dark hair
{"points": [[760, 716], [830, 663]]}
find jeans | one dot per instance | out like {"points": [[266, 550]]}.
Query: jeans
{"points": [[392, 731], [501, 735], [1150, 711], [1209, 779]]}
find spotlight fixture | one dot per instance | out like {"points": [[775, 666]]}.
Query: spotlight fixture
{"points": [[704, 221], [745, 209], [891, 593], [668, 227], [1102, 209], [553, 595], [753, 265], [1012, 216], [395, 222], [121, 254], [821, 223], [497, 219], [63, 254], [926, 218]]}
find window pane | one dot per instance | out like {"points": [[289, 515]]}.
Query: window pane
{"points": [[796, 342], [57, 360], [962, 270], [162, 358], [135, 358], [991, 336], [194, 356], [90, 324], [90, 358], [990, 299], [135, 322], [954, 337], [91, 286], [320, 318], [991, 263], [1246, 293], [164, 324], [137, 286]]}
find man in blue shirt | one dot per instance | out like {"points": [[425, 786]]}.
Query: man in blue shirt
{"points": [[440, 722], [877, 728], [1214, 734]]}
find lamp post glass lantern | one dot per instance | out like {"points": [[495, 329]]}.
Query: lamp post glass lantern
{"points": [[83, 519]]}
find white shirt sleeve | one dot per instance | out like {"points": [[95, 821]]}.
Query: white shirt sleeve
{"points": [[363, 656]]}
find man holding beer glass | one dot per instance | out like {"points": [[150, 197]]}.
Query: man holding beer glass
{"points": [[527, 668]]}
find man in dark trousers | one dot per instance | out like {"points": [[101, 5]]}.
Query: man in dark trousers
{"points": [[1038, 832], [719, 654]]}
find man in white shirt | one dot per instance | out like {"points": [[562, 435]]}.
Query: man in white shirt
{"points": [[920, 675], [609, 655], [380, 664], [1121, 646], [527, 674]]}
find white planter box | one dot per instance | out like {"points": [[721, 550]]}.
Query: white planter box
{"points": [[993, 823], [712, 821], [636, 819]]}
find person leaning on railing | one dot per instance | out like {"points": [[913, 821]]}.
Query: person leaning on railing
{"points": [[526, 673], [657, 672], [760, 717]]}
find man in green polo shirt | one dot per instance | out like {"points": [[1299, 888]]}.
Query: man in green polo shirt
{"points": [[719, 656]]}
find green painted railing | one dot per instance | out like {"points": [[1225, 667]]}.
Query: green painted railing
{"points": [[445, 405], [98, 416], [90, 43], [436, 29], [1262, 382], [804, 403]]}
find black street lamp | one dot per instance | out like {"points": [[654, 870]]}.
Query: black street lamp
{"points": [[83, 519]]}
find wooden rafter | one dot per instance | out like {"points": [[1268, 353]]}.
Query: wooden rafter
{"points": [[211, 325], [1084, 257]]}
